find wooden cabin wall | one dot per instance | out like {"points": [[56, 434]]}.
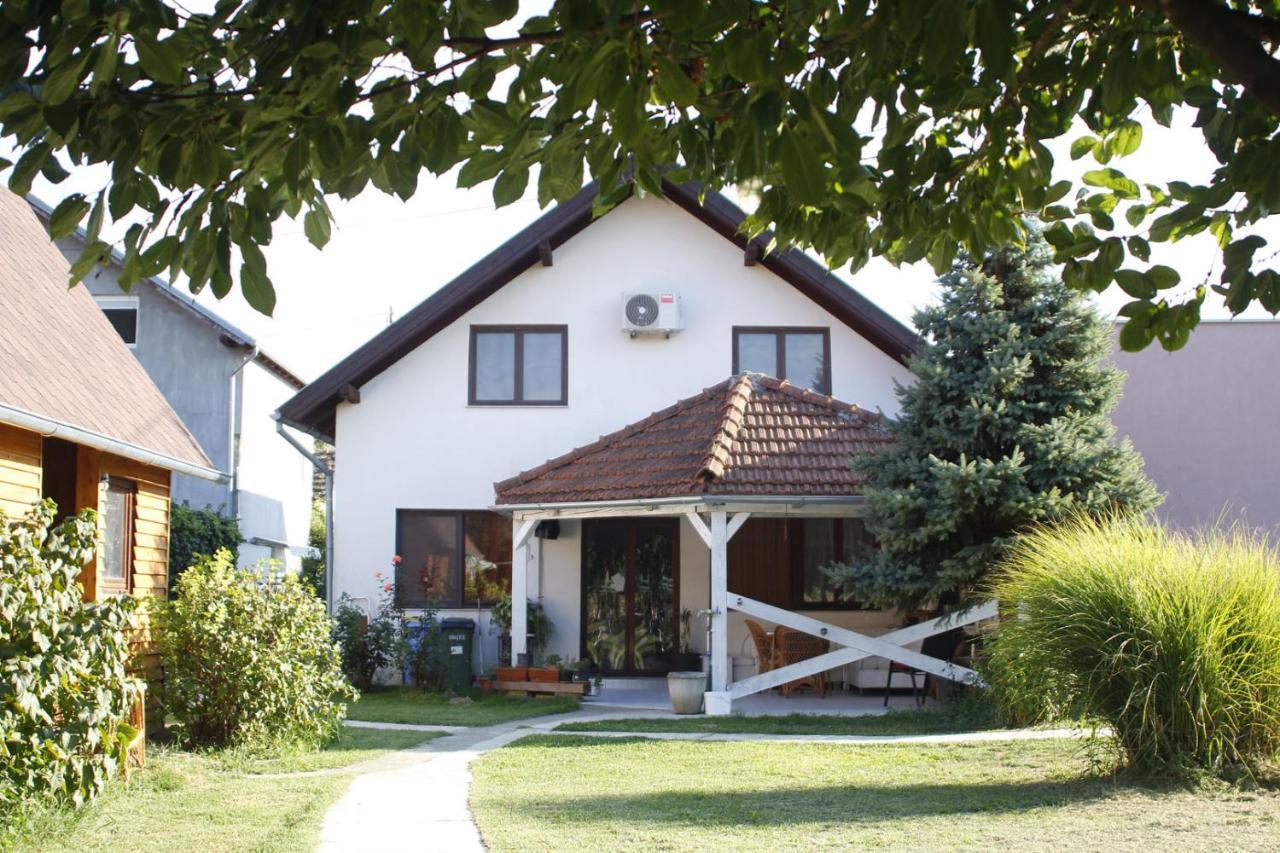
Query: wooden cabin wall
{"points": [[19, 470]]}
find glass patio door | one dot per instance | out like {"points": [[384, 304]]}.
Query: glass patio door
{"points": [[630, 578]]}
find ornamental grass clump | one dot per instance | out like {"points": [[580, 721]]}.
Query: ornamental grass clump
{"points": [[1172, 640], [249, 660]]}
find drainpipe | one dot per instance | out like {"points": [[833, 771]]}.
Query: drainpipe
{"points": [[233, 451], [324, 469]]}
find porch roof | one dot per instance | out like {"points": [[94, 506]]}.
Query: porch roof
{"points": [[749, 436]]}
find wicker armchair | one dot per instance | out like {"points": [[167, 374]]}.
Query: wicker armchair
{"points": [[792, 646], [764, 646]]}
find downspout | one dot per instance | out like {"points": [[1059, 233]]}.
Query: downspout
{"points": [[325, 470], [233, 451]]}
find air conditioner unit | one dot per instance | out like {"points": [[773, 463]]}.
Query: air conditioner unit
{"points": [[651, 314]]}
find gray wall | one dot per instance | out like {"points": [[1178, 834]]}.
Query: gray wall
{"points": [[189, 364], [1207, 420]]}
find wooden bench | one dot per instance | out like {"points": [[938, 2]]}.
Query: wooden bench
{"points": [[548, 687]]}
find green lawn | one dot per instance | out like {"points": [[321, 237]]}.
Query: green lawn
{"points": [[893, 723], [185, 801], [635, 794], [407, 705]]}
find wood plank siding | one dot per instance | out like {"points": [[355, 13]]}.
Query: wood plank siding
{"points": [[19, 470], [21, 486]]}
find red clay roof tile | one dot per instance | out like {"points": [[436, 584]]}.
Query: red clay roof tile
{"points": [[749, 435]]}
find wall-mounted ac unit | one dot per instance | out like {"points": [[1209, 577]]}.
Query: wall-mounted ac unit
{"points": [[651, 314]]}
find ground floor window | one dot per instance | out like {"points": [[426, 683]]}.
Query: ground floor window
{"points": [[455, 558], [779, 560], [115, 557]]}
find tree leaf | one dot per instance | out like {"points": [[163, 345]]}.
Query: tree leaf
{"points": [[1126, 138], [1135, 284], [1082, 146], [510, 186], [1163, 277], [158, 59], [316, 226], [802, 169], [67, 215], [1112, 179]]}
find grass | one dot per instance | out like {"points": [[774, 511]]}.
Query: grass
{"points": [[635, 794], [912, 722], [408, 705], [210, 801]]}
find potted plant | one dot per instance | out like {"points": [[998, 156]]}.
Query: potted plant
{"points": [[548, 673], [582, 674], [566, 670], [511, 673]]}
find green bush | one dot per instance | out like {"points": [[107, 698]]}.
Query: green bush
{"points": [[249, 659], [368, 645], [196, 533], [64, 689], [1172, 640]]}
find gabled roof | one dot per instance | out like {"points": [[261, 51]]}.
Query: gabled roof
{"points": [[230, 334], [65, 363], [749, 435], [312, 409]]}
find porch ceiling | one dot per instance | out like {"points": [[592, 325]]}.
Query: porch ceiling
{"points": [[751, 439]]}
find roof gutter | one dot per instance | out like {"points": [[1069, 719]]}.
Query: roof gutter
{"points": [[688, 500], [49, 427], [327, 472]]}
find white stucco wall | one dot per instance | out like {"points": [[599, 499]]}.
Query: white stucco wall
{"points": [[413, 441], [274, 478]]}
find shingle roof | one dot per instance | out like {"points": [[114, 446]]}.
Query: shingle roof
{"points": [[749, 435], [61, 357], [313, 408]]}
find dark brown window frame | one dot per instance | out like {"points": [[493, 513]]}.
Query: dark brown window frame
{"points": [[123, 584], [796, 546], [780, 341], [518, 395], [460, 548]]}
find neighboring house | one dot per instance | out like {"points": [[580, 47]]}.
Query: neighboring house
{"points": [[225, 389], [80, 420], [524, 357], [1207, 420]]}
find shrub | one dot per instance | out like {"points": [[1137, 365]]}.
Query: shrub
{"points": [[368, 645], [196, 533], [313, 565], [64, 689], [249, 659], [1172, 640]]}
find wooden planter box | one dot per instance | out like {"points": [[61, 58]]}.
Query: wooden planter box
{"points": [[511, 673], [544, 674]]}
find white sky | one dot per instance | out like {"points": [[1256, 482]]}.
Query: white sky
{"points": [[386, 256]]}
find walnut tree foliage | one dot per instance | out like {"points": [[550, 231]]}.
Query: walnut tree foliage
{"points": [[1007, 425], [908, 130]]}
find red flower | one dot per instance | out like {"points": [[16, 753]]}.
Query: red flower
{"points": [[387, 587], [395, 561]]}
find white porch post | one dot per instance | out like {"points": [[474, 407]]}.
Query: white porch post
{"points": [[520, 590], [718, 700]]}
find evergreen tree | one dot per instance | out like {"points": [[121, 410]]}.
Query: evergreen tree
{"points": [[1007, 424]]}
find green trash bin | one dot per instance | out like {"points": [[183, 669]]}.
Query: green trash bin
{"points": [[458, 635]]}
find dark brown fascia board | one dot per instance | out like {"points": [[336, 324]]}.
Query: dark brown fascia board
{"points": [[313, 408]]}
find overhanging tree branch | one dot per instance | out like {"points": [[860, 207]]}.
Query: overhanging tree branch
{"points": [[1235, 46]]}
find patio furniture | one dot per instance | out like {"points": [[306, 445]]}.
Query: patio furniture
{"points": [[791, 646], [941, 646], [764, 646]]}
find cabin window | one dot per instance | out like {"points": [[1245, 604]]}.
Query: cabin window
{"points": [[122, 313], [519, 366], [115, 554], [452, 558], [802, 356]]}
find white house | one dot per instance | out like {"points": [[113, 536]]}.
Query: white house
{"points": [[526, 356]]}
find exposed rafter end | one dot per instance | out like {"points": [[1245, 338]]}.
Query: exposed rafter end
{"points": [[349, 393], [751, 255], [544, 252]]}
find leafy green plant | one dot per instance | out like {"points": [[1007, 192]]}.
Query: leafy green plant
{"points": [[1172, 640], [539, 624], [196, 533], [367, 645], [313, 565], [65, 690], [249, 659]]}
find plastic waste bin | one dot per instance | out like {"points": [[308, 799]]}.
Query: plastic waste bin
{"points": [[458, 637]]}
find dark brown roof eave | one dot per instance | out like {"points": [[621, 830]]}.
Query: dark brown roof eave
{"points": [[314, 407]]}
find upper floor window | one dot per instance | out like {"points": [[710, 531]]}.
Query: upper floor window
{"points": [[122, 312], [519, 366], [802, 356]]}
